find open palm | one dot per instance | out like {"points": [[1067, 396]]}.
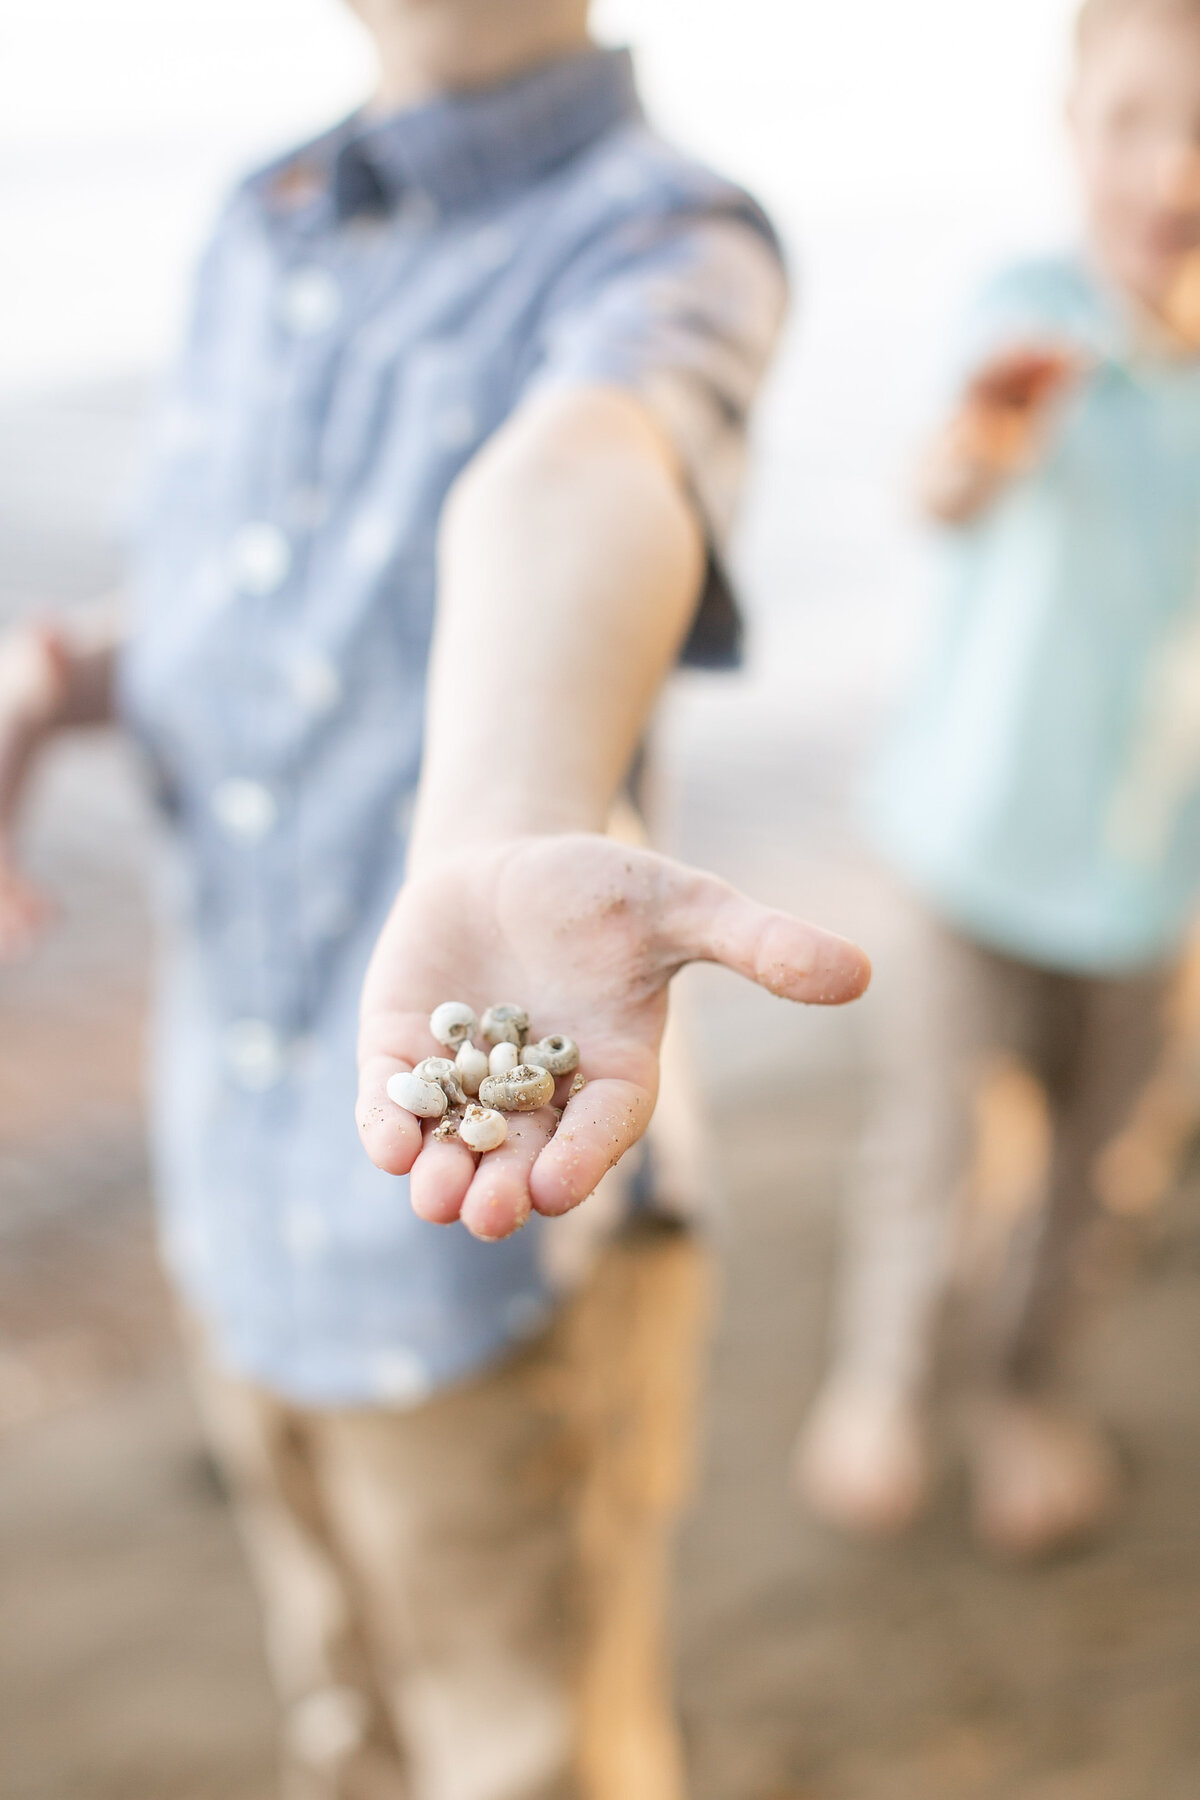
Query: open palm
{"points": [[585, 934]]}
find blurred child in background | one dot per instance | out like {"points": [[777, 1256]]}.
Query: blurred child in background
{"points": [[1040, 802]]}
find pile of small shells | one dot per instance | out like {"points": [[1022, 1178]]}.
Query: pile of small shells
{"points": [[470, 1089]]}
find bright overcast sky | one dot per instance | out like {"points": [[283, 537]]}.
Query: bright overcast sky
{"points": [[120, 121]]}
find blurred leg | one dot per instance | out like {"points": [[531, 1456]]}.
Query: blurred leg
{"points": [[1140, 1167], [1043, 1476], [944, 1006], [635, 1346], [1116, 1043], [504, 1549], [455, 1525], [337, 1740]]}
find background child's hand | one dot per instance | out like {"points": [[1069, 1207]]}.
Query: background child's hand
{"points": [[999, 430], [33, 686], [585, 933], [1007, 406]]}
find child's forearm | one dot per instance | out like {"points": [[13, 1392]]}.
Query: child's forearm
{"points": [[570, 564], [961, 474]]}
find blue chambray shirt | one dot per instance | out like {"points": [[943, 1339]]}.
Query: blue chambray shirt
{"points": [[373, 306]]}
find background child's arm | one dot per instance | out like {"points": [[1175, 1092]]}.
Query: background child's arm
{"points": [[571, 560], [999, 431], [52, 676]]}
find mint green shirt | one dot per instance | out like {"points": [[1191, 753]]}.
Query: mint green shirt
{"points": [[1042, 788]]}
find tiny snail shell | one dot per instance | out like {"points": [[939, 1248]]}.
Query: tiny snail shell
{"points": [[453, 1023], [505, 1024], [424, 1098], [504, 1057], [482, 1128], [557, 1053], [472, 1066], [523, 1089], [445, 1073], [435, 1068]]}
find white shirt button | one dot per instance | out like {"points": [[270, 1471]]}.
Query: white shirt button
{"points": [[310, 301], [246, 809], [315, 682], [255, 1055], [401, 1377], [260, 557]]}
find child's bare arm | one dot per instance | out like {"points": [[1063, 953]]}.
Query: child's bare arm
{"points": [[998, 432], [571, 563], [53, 676]]}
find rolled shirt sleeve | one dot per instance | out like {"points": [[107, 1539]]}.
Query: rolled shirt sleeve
{"points": [[684, 310]]}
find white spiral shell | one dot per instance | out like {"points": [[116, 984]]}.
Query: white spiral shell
{"points": [[557, 1053], [423, 1098], [522, 1089], [482, 1128], [453, 1023], [505, 1024], [472, 1066]]}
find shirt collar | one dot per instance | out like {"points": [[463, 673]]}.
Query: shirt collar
{"points": [[463, 149]]}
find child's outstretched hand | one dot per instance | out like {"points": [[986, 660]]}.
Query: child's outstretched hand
{"points": [[1000, 429], [585, 934]]}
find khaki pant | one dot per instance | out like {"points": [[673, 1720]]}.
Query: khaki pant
{"points": [[466, 1601], [946, 1009]]}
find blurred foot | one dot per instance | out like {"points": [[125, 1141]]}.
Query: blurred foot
{"points": [[862, 1461], [1043, 1480]]}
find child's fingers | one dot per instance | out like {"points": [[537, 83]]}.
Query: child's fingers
{"points": [[498, 1200], [439, 1180], [390, 1136], [712, 922], [1026, 377], [600, 1123]]}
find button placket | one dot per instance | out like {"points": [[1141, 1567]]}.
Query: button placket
{"points": [[310, 300], [244, 808]]}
